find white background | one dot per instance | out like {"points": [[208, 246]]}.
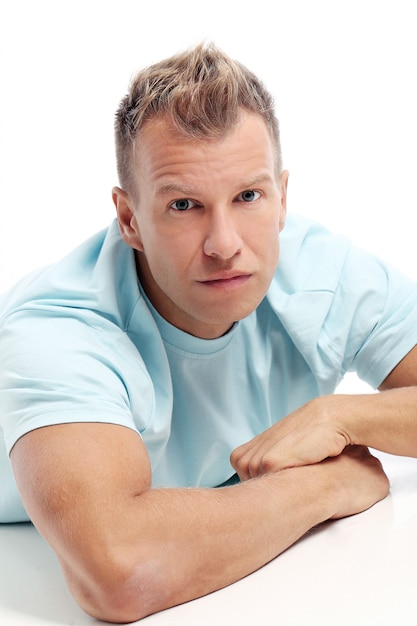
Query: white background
{"points": [[343, 74]]}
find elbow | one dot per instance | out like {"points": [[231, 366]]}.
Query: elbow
{"points": [[119, 592]]}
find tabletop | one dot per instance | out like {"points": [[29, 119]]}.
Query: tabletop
{"points": [[358, 571]]}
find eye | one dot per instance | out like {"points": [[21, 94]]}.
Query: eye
{"points": [[182, 205], [249, 195]]}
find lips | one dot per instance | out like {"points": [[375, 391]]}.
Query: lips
{"points": [[227, 281], [225, 277]]}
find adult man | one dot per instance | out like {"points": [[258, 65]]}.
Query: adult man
{"points": [[135, 367]]}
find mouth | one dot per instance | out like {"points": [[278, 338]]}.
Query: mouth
{"points": [[226, 280]]}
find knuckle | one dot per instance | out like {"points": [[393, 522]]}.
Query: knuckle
{"points": [[234, 458], [253, 467], [268, 464], [236, 461]]}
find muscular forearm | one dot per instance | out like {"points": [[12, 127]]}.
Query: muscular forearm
{"points": [[186, 543], [324, 426], [385, 421], [128, 550], [181, 544]]}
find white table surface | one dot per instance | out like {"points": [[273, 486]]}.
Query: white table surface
{"points": [[359, 571]]}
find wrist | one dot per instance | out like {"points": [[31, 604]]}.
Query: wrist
{"points": [[313, 491], [340, 414]]}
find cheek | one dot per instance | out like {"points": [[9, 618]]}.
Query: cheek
{"points": [[273, 255], [166, 259], [267, 238], [270, 251]]}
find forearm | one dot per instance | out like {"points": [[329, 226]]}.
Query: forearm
{"points": [[181, 544], [323, 428], [385, 421], [128, 550]]}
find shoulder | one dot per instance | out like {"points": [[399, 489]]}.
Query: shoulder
{"points": [[312, 258], [98, 276], [343, 307]]}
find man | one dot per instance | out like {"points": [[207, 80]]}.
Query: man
{"points": [[194, 340]]}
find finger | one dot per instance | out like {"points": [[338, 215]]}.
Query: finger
{"points": [[239, 464], [249, 465]]}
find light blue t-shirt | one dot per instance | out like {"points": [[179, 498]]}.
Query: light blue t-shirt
{"points": [[80, 342]]}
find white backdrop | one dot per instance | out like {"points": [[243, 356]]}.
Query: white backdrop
{"points": [[343, 74]]}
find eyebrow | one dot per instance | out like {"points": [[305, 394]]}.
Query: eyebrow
{"points": [[183, 189], [193, 191], [261, 178]]}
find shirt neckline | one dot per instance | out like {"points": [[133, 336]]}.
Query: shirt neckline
{"points": [[184, 341]]}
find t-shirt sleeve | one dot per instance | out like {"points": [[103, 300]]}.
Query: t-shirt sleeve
{"points": [[344, 309], [71, 367], [382, 304]]}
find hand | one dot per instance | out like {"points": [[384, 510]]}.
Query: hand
{"points": [[308, 435], [360, 480]]}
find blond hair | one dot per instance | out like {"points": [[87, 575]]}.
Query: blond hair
{"points": [[203, 92]]}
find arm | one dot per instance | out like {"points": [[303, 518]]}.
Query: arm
{"points": [[128, 550], [386, 421]]}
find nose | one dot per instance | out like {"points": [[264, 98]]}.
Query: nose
{"points": [[222, 239]]}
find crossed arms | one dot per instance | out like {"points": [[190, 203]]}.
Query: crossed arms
{"points": [[128, 550]]}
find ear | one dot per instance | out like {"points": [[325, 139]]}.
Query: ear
{"points": [[283, 188], [126, 218]]}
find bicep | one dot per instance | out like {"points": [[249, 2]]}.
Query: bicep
{"points": [[404, 374], [76, 480]]}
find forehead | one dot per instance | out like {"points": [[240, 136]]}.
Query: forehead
{"points": [[162, 152]]}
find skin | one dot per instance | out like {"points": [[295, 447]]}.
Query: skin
{"points": [[128, 550], [323, 427], [210, 265]]}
